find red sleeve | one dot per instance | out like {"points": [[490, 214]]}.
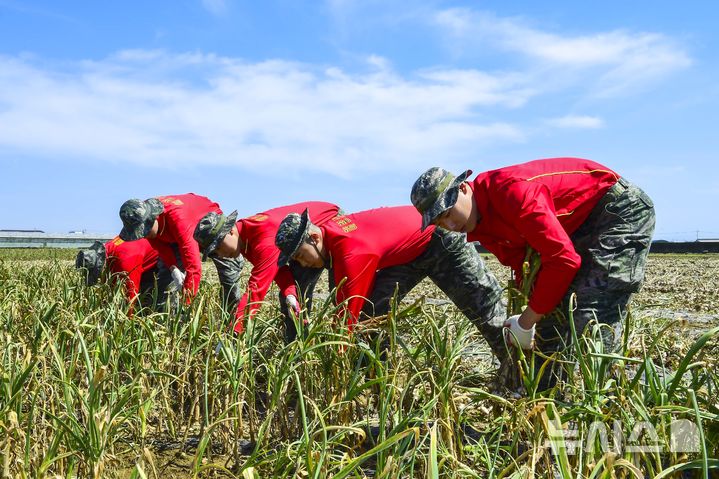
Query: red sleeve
{"points": [[128, 270], [263, 273], [240, 312], [536, 220], [261, 277], [239, 325], [132, 284], [360, 271], [257, 286], [286, 282], [189, 253]]}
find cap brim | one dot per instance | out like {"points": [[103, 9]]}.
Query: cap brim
{"points": [[91, 262], [445, 201], [285, 258], [93, 276], [134, 234], [154, 208], [429, 216], [80, 259], [125, 235], [226, 228]]}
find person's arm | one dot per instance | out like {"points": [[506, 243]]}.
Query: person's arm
{"points": [[189, 253], [360, 272], [166, 253], [264, 269], [262, 274], [128, 273], [239, 325], [286, 282], [132, 283], [535, 218], [251, 301]]}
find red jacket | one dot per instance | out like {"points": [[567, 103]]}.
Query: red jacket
{"points": [[176, 225], [362, 243], [131, 258], [540, 203], [258, 235]]}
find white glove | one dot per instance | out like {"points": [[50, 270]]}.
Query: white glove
{"points": [[178, 279], [517, 335], [293, 304]]}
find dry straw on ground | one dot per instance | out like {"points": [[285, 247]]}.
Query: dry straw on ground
{"points": [[88, 392]]}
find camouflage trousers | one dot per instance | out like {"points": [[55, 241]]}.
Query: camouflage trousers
{"points": [[456, 267], [613, 243], [154, 284], [153, 287], [228, 270]]}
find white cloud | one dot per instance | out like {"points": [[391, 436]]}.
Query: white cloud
{"points": [[625, 59], [577, 121], [155, 108], [159, 109]]}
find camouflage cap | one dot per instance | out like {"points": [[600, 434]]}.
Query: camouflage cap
{"points": [[290, 235], [434, 192], [138, 217], [91, 261], [211, 230]]}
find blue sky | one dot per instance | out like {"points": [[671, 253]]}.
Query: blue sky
{"points": [[260, 104]]}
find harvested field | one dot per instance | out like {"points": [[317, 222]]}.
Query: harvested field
{"points": [[88, 392]]}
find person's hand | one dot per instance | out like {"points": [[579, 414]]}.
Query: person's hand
{"points": [[178, 279], [293, 305], [516, 335]]}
